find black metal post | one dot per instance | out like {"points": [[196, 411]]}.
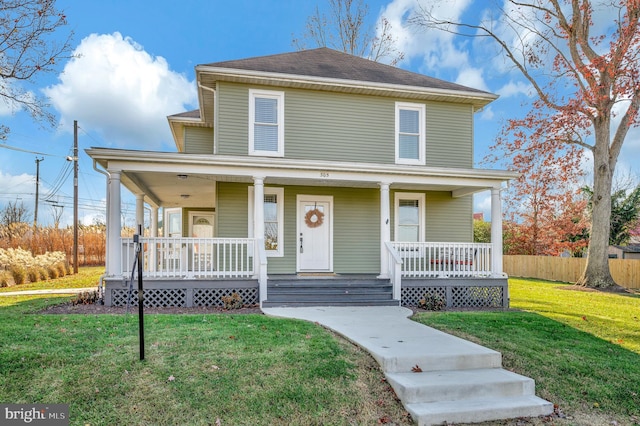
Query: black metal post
{"points": [[140, 291]]}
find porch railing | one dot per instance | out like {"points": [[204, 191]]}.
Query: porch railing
{"points": [[446, 260], [167, 257]]}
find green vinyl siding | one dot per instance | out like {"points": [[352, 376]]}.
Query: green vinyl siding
{"points": [[329, 126], [449, 219], [356, 225], [198, 140], [346, 127], [232, 210], [356, 230], [233, 119], [449, 135]]}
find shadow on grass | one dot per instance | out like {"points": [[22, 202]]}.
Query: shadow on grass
{"points": [[572, 368]]}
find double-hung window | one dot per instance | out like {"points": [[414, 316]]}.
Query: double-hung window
{"points": [[410, 133], [273, 220], [266, 123], [409, 213]]}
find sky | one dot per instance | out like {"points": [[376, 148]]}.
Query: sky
{"points": [[134, 65]]}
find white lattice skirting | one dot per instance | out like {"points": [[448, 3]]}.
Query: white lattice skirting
{"points": [[169, 297], [459, 294]]}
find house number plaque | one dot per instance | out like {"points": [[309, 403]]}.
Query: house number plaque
{"points": [[324, 174]]}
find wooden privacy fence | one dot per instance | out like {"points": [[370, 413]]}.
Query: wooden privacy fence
{"points": [[625, 272]]}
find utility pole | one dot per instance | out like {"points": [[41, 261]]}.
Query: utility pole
{"points": [[75, 196], [35, 213]]}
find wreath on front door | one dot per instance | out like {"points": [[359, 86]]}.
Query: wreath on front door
{"points": [[314, 218]]}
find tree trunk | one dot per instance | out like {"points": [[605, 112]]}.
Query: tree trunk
{"points": [[597, 273]]}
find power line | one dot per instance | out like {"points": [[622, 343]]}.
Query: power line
{"points": [[3, 145]]}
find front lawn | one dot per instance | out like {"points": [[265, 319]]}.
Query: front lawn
{"points": [[582, 348], [240, 369]]}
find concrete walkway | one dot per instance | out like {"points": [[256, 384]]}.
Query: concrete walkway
{"points": [[460, 382], [48, 291]]}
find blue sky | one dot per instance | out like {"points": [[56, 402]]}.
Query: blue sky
{"points": [[135, 66]]}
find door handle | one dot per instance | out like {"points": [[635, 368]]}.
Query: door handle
{"points": [[301, 248]]}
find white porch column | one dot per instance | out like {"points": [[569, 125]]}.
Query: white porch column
{"points": [[258, 233], [258, 207], [114, 226], [139, 212], [385, 228], [153, 232], [496, 231], [154, 222]]}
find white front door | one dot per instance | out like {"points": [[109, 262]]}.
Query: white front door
{"points": [[315, 232]]}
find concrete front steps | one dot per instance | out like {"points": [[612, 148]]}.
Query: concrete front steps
{"points": [[329, 291], [460, 381], [467, 396]]}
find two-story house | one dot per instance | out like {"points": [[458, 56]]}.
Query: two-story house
{"points": [[310, 177]]}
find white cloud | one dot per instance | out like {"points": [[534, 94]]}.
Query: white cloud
{"points": [[487, 114], [512, 89], [472, 77], [18, 188], [414, 42], [117, 89], [440, 53], [482, 204]]}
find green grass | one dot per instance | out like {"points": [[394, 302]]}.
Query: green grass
{"points": [[87, 276], [582, 348], [241, 369]]}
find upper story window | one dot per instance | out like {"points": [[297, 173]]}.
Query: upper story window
{"points": [[410, 133], [266, 123]]}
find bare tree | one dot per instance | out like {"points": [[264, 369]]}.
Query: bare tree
{"points": [[587, 86], [13, 213], [345, 29], [26, 50]]}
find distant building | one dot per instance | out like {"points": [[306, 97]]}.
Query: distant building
{"points": [[631, 251]]}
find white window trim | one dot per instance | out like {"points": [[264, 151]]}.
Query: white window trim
{"points": [[254, 93], [422, 132], [166, 224], [421, 212], [279, 192]]}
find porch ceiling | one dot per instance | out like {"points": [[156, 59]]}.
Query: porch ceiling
{"points": [[169, 190], [177, 179]]}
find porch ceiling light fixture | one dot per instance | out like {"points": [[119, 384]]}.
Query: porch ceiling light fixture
{"points": [[182, 177], [184, 196]]}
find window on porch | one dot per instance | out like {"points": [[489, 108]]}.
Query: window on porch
{"points": [[273, 220], [409, 213]]}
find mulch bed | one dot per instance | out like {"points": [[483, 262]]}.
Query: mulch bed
{"points": [[95, 308]]}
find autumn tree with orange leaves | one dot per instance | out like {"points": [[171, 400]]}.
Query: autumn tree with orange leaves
{"points": [[546, 210], [587, 86]]}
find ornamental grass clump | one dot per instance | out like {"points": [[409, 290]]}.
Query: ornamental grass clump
{"points": [[4, 279], [23, 265], [33, 274], [19, 274]]}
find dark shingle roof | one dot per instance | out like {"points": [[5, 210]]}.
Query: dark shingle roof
{"points": [[328, 63], [188, 114]]}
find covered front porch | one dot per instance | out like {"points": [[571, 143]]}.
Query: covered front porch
{"points": [[248, 245]]}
